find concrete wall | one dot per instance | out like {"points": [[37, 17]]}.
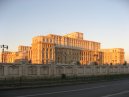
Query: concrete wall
{"points": [[54, 70]]}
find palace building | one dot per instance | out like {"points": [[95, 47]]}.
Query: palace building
{"points": [[64, 49], [67, 49]]}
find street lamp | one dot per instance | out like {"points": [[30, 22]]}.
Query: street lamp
{"points": [[3, 47]]}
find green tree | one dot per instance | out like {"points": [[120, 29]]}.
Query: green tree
{"points": [[125, 63], [78, 63]]}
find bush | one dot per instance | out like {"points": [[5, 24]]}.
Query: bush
{"points": [[63, 76]]}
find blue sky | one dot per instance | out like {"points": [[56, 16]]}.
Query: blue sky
{"points": [[105, 21]]}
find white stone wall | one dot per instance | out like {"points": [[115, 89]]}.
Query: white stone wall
{"points": [[53, 70]]}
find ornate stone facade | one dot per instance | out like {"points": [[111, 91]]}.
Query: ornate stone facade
{"points": [[64, 49], [67, 49]]}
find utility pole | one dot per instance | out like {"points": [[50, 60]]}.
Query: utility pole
{"points": [[3, 47]]}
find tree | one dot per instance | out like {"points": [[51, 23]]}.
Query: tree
{"points": [[95, 63], [110, 63], [78, 63], [125, 63]]}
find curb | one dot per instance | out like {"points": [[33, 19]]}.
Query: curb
{"points": [[55, 85]]}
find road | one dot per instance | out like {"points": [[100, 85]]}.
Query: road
{"points": [[119, 88]]}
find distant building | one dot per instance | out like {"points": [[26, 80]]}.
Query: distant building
{"points": [[67, 49], [113, 56], [23, 54]]}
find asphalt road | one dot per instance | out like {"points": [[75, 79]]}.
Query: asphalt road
{"points": [[119, 88]]}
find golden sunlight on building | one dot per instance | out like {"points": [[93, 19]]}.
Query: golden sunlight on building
{"points": [[63, 49], [67, 49], [113, 56], [8, 57], [23, 54]]}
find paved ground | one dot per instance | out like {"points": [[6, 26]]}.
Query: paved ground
{"points": [[101, 89]]}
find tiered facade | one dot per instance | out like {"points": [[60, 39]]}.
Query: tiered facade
{"points": [[66, 50]]}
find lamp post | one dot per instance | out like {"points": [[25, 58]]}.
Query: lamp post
{"points": [[3, 47]]}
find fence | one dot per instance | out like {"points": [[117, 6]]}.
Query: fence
{"points": [[56, 70]]}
